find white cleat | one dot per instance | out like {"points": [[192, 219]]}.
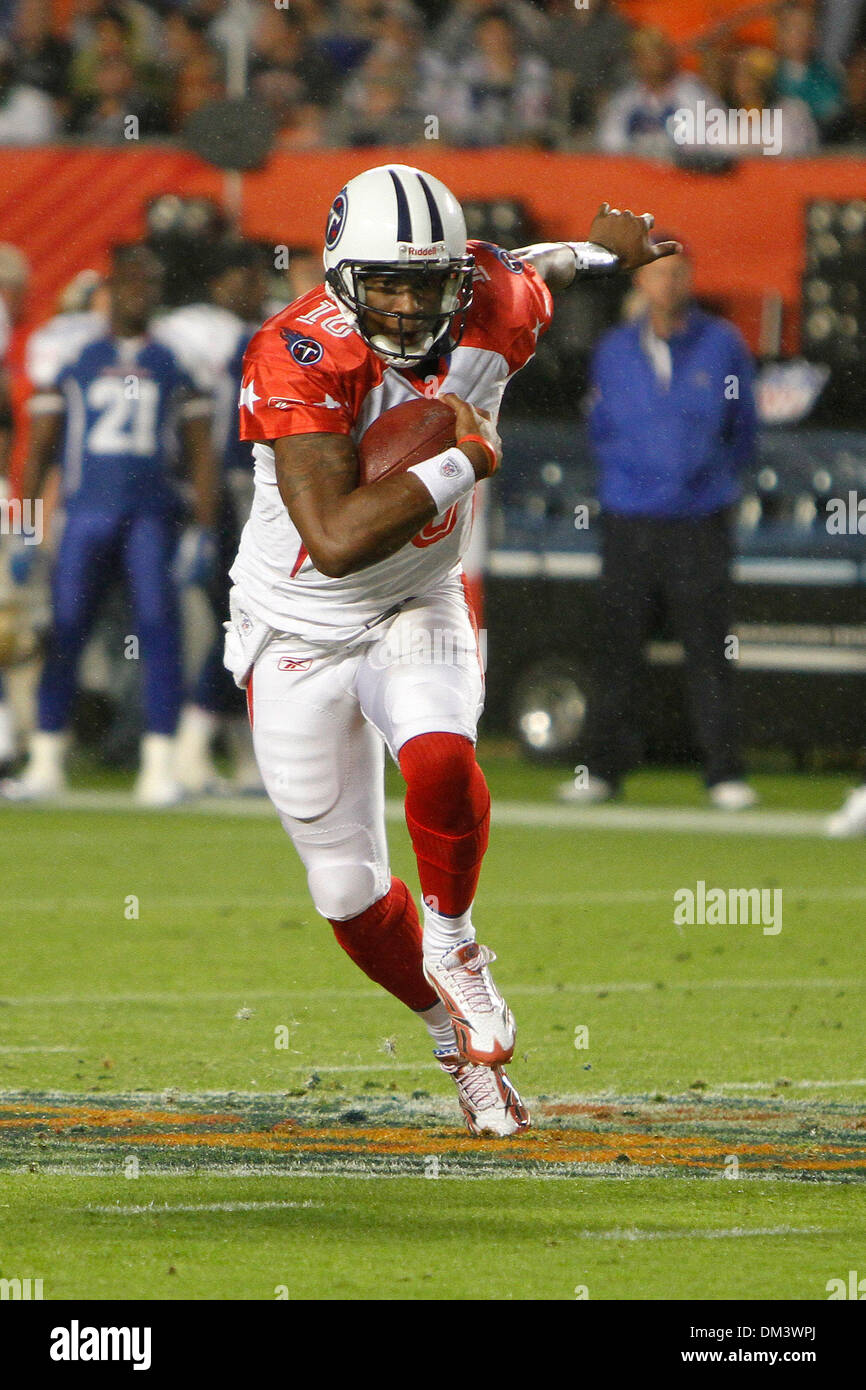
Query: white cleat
{"points": [[593, 792], [31, 788], [157, 785], [733, 796], [156, 792], [850, 820], [487, 1098], [482, 1021], [44, 777]]}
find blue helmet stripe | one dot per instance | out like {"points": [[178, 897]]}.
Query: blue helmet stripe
{"points": [[404, 220], [436, 231]]}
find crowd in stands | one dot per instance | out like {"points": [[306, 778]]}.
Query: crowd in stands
{"points": [[549, 73]]}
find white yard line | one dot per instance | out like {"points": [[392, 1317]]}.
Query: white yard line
{"points": [[293, 996], [151, 1208], [341, 1174], [576, 897], [537, 815]]}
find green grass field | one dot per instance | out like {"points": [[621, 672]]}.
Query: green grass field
{"points": [[201, 1097]]}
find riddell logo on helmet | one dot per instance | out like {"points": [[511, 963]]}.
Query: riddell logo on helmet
{"points": [[430, 251]]}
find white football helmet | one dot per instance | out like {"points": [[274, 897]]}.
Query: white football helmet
{"points": [[397, 221]]}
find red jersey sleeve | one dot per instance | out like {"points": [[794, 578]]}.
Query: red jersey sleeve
{"points": [[290, 387], [512, 305]]}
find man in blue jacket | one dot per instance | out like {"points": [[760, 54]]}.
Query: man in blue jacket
{"points": [[672, 420]]}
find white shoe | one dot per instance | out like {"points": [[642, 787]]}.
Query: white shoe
{"points": [[589, 793], [194, 766], [482, 1021], [156, 785], [43, 778], [29, 787], [733, 796], [246, 779], [850, 820], [489, 1102]]}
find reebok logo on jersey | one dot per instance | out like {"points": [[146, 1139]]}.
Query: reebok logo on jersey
{"points": [[286, 402], [288, 663]]}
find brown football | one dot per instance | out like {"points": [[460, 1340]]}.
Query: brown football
{"points": [[405, 435]]}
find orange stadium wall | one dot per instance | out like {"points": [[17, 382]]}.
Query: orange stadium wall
{"points": [[64, 207]]}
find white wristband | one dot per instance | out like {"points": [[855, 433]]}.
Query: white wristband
{"points": [[447, 477], [592, 259]]}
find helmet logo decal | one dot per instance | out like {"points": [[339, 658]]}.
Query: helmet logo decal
{"points": [[336, 219], [306, 351]]}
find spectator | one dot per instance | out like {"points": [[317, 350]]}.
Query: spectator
{"points": [[801, 72], [281, 45], [299, 121], [105, 116], [357, 24], [670, 439], [99, 34], [586, 51], [184, 39], [379, 102], [498, 95], [199, 81], [41, 58], [841, 22], [27, 116], [637, 118], [753, 89], [850, 126], [455, 36]]}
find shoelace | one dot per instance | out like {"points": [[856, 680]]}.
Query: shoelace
{"points": [[479, 1087], [470, 985]]}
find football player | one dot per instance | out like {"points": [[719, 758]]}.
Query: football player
{"points": [[210, 338], [350, 626], [116, 398]]}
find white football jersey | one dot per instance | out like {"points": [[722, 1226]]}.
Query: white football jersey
{"points": [[307, 371]]}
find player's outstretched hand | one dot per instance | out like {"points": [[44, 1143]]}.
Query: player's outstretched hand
{"points": [[485, 458], [628, 237]]}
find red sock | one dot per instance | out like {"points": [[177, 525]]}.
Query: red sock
{"points": [[385, 942], [448, 815]]}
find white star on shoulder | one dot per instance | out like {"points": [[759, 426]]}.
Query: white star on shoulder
{"points": [[248, 396]]}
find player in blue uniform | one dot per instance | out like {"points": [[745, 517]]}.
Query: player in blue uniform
{"points": [[121, 405]]}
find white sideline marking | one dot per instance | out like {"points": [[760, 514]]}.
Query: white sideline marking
{"points": [[539, 815], [573, 896], [501, 1174], [151, 1209], [238, 998], [773, 1086], [731, 1233], [35, 1047]]}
